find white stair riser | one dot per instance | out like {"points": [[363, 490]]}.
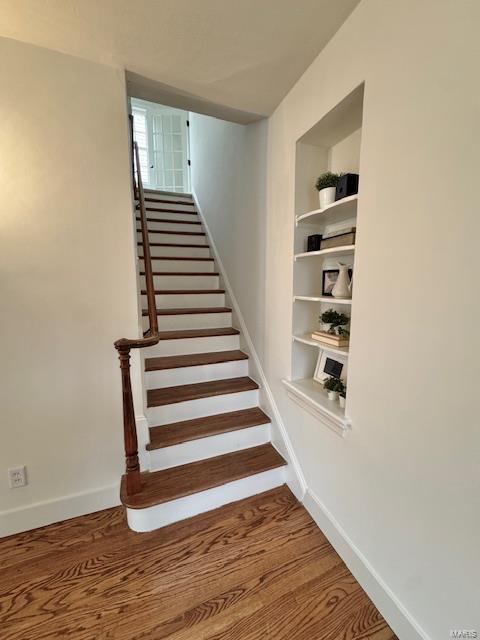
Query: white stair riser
{"points": [[192, 321], [187, 301], [184, 199], [178, 252], [181, 227], [176, 238], [183, 282], [168, 215], [163, 514], [184, 346], [191, 375], [202, 407], [204, 448], [195, 266]]}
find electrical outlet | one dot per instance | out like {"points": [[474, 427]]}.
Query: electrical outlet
{"points": [[17, 477]]}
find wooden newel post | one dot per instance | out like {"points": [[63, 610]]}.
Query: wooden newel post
{"points": [[133, 484]]}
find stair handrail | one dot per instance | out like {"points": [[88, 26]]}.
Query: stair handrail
{"points": [[133, 483]]}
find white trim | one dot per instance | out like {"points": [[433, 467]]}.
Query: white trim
{"points": [[143, 436], [323, 413], [295, 478], [40, 514], [397, 616]]}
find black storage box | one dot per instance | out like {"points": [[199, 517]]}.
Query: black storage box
{"points": [[313, 242], [347, 185]]}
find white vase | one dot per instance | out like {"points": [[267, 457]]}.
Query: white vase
{"points": [[341, 400], [327, 196], [343, 285], [332, 395]]}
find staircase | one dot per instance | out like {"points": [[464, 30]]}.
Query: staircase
{"points": [[209, 439]]}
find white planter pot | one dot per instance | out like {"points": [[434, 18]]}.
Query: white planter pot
{"points": [[332, 395], [327, 196], [342, 400]]}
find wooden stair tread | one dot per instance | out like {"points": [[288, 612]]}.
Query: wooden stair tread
{"points": [[198, 390], [182, 334], [183, 273], [163, 221], [177, 432], [183, 291], [175, 244], [179, 258], [185, 311], [170, 484], [176, 292], [174, 233], [193, 360], [161, 210]]}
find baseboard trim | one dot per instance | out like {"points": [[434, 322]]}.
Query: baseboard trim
{"points": [[48, 512], [294, 475], [402, 623]]}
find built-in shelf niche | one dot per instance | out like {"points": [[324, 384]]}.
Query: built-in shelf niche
{"points": [[333, 144]]}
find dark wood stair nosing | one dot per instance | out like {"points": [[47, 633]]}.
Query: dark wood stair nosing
{"points": [[183, 273], [176, 244], [188, 430], [187, 258], [187, 334], [177, 482], [163, 363], [174, 233], [185, 311], [166, 221], [199, 391], [183, 292]]}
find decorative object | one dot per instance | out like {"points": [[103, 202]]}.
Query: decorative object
{"points": [[330, 366], [343, 285], [329, 278], [333, 386], [313, 242], [347, 185], [331, 340], [327, 188], [342, 397], [335, 322], [339, 240]]}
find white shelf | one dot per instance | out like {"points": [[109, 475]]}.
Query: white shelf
{"points": [[305, 338], [329, 299], [331, 253], [312, 397], [337, 210]]}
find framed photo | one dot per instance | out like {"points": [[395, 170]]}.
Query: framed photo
{"points": [[330, 365], [329, 278]]}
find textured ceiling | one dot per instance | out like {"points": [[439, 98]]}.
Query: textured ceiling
{"points": [[241, 54]]}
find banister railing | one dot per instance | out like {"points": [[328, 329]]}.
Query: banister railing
{"points": [[124, 345]]}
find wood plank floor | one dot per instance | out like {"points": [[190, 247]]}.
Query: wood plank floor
{"points": [[258, 569]]}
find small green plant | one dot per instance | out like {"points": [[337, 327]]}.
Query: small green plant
{"points": [[337, 322], [327, 179], [334, 384]]}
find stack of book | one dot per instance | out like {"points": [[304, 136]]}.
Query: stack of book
{"points": [[330, 338], [338, 238]]}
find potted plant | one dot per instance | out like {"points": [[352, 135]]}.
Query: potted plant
{"points": [[333, 386], [342, 397], [327, 186], [335, 322]]}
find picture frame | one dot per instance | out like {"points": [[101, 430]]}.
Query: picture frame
{"points": [[330, 364], [329, 278]]}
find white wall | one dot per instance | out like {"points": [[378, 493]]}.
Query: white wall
{"points": [[67, 281], [228, 178], [403, 487]]}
